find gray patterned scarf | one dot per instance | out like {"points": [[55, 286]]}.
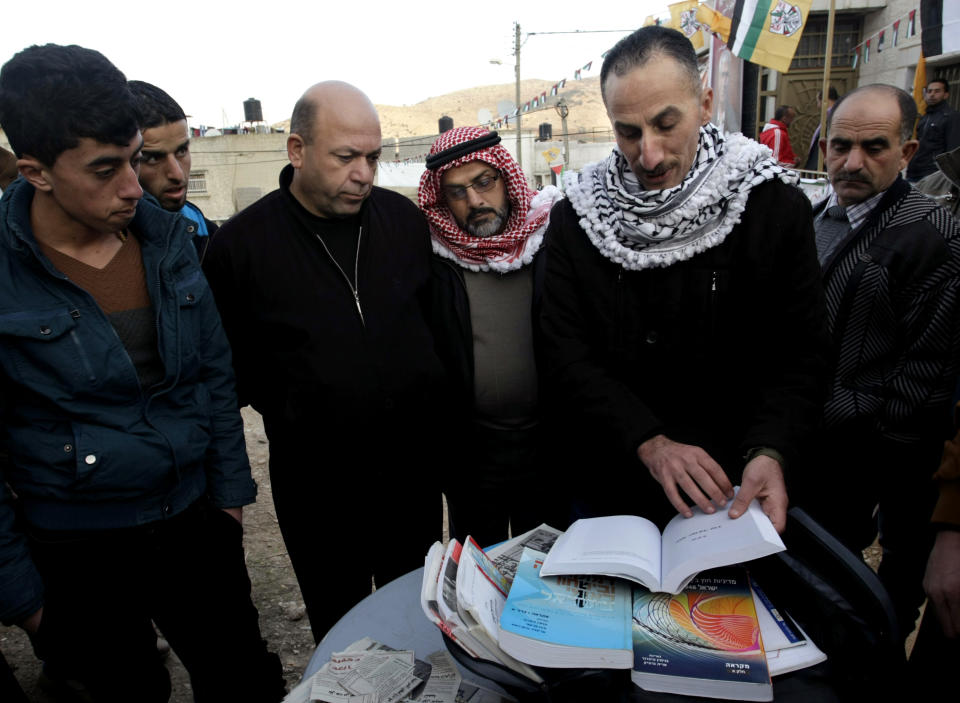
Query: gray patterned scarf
{"points": [[641, 229]]}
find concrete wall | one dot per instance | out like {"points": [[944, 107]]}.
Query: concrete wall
{"points": [[894, 65], [238, 169]]}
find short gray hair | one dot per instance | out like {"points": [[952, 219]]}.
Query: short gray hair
{"points": [[908, 108]]}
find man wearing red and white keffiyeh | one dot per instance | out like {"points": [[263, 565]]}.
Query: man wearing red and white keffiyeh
{"points": [[464, 225], [487, 228]]}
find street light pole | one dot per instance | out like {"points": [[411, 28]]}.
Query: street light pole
{"points": [[563, 110], [516, 52]]}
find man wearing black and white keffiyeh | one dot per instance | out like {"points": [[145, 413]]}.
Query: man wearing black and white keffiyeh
{"points": [[683, 316]]}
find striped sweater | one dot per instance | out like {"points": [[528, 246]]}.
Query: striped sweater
{"points": [[893, 300]]}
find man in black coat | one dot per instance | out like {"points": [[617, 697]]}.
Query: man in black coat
{"points": [[323, 289], [683, 317]]}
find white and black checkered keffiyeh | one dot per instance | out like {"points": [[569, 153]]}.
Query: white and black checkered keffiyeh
{"points": [[641, 229]]}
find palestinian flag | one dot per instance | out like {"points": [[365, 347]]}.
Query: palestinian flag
{"points": [[940, 27]]}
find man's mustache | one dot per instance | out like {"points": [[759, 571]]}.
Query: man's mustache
{"points": [[478, 211], [847, 176]]}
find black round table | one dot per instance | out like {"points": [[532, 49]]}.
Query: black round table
{"points": [[392, 615]]}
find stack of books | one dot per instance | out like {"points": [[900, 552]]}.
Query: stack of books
{"points": [[464, 590], [614, 593]]}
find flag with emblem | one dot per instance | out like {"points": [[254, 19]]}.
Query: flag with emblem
{"points": [[683, 18], [767, 32], [551, 155]]}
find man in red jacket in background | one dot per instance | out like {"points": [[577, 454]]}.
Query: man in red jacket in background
{"points": [[775, 136]]}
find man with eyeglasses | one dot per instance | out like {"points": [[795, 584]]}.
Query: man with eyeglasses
{"points": [[487, 228]]}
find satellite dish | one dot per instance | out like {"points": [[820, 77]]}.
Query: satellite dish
{"points": [[483, 116], [505, 107]]}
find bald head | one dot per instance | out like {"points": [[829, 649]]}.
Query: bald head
{"points": [[323, 100], [334, 147]]}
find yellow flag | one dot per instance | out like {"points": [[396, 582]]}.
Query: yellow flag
{"points": [[919, 83], [683, 18], [767, 32], [714, 21], [551, 155]]}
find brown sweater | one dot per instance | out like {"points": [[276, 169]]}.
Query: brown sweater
{"points": [[120, 289]]}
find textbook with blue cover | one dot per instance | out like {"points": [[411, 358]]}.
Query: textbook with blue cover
{"points": [[566, 621], [704, 641]]}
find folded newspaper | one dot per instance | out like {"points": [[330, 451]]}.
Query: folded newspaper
{"points": [[370, 672]]}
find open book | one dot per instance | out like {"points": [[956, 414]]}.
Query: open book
{"points": [[631, 547]]}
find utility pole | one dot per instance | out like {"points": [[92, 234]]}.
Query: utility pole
{"points": [[825, 85], [516, 52], [563, 110]]}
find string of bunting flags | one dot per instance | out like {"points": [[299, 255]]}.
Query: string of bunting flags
{"points": [[764, 32], [903, 27], [539, 101]]}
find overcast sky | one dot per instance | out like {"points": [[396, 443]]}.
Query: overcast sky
{"points": [[212, 56]]}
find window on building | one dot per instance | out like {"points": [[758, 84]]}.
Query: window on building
{"points": [[197, 182], [812, 50]]}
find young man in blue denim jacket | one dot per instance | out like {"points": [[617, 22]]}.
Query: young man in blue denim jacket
{"points": [[121, 499]]}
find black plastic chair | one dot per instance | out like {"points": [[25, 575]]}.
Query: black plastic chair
{"points": [[841, 604]]}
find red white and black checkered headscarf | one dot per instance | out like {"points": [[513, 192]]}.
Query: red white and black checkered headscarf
{"points": [[529, 210]]}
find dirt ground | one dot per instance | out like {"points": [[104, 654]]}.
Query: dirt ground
{"points": [[275, 592]]}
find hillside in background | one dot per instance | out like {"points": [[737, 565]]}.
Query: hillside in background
{"points": [[583, 98]]}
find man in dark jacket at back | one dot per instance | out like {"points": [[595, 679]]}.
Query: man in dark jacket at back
{"points": [[323, 289], [117, 409], [487, 228], [938, 130]]}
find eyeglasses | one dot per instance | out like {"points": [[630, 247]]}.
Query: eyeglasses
{"points": [[481, 185]]}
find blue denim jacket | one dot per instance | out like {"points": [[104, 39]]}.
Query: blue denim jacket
{"points": [[87, 447]]}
